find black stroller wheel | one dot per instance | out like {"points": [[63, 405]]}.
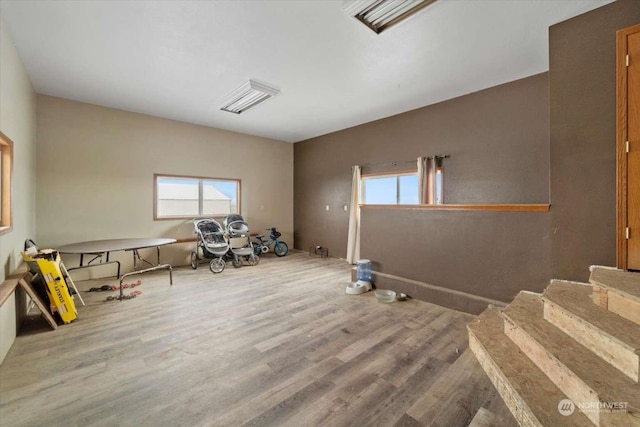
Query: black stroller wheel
{"points": [[237, 262], [194, 260], [253, 259], [217, 265]]}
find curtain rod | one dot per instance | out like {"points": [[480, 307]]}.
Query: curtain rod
{"points": [[400, 162]]}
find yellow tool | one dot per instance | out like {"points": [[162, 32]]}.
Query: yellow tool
{"points": [[48, 264]]}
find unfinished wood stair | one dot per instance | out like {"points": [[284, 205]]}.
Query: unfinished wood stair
{"points": [[617, 291], [575, 341]]}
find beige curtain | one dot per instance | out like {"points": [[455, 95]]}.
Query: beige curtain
{"points": [[431, 180], [353, 239]]}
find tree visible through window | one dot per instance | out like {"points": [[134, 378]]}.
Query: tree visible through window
{"points": [[190, 197]]}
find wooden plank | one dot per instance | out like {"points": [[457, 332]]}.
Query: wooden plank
{"points": [[249, 345], [6, 289], [187, 240], [626, 282], [622, 291], [529, 394], [580, 374], [622, 305], [501, 413], [25, 282], [481, 208], [8, 286], [600, 297], [616, 340], [446, 402]]}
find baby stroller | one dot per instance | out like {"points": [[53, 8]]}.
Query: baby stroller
{"points": [[211, 242], [239, 244]]}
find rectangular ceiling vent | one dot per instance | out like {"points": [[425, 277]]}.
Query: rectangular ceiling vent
{"points": [[247, 96], [379, 15]]}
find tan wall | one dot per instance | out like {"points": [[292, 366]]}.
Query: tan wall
{"points": [[17, 121], [96, 166]]}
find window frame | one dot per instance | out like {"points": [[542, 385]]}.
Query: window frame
{"points": [[200, 179], [397, 175], [6, 184]]}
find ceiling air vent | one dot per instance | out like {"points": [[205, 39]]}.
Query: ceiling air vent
{"points": [[379, 15], [247, 96]]}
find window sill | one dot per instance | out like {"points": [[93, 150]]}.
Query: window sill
{"points": [[482, 208], [190, 218]]}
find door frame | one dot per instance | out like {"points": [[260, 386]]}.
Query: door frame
{"points": [[621, 139]]}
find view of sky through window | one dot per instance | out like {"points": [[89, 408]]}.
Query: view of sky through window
{"points": [[391, 190]]}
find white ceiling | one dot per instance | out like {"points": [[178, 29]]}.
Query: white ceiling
{"points": [[178, 59]]}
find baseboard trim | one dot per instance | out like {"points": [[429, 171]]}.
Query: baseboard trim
{"points": [[427, 292]]}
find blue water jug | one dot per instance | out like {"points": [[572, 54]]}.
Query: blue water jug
{"points": [[363, 270]]}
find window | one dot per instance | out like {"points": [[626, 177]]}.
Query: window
{"points": [[6, 185], [403, 188], [390, 189], [189, 197]]}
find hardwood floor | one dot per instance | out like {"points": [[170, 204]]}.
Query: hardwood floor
{"points": [[275, 344]]}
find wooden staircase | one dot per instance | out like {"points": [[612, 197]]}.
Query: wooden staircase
{"points": [[569, 356]]}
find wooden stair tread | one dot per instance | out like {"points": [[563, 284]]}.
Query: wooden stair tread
{"points": [[569, 307], [624, 281], [526, 311], [577, 299], [519, 374]]}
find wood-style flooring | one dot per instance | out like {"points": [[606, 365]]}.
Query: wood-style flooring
{"points": [[276, 344]]}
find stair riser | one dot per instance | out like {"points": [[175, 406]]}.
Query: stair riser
{"points": [[624, 307], [617, 302], [562, 377], [516, 405], [600, 296], [614, 352]]}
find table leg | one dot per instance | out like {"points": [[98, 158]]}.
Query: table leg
{"points": [[66, 273], [157, 267], [138, 260]]}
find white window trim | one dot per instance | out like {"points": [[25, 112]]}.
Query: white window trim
{"points": [[201, 180], [396, 174]]}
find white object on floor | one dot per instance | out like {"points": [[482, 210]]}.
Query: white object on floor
{"points": [[359, 287]]}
